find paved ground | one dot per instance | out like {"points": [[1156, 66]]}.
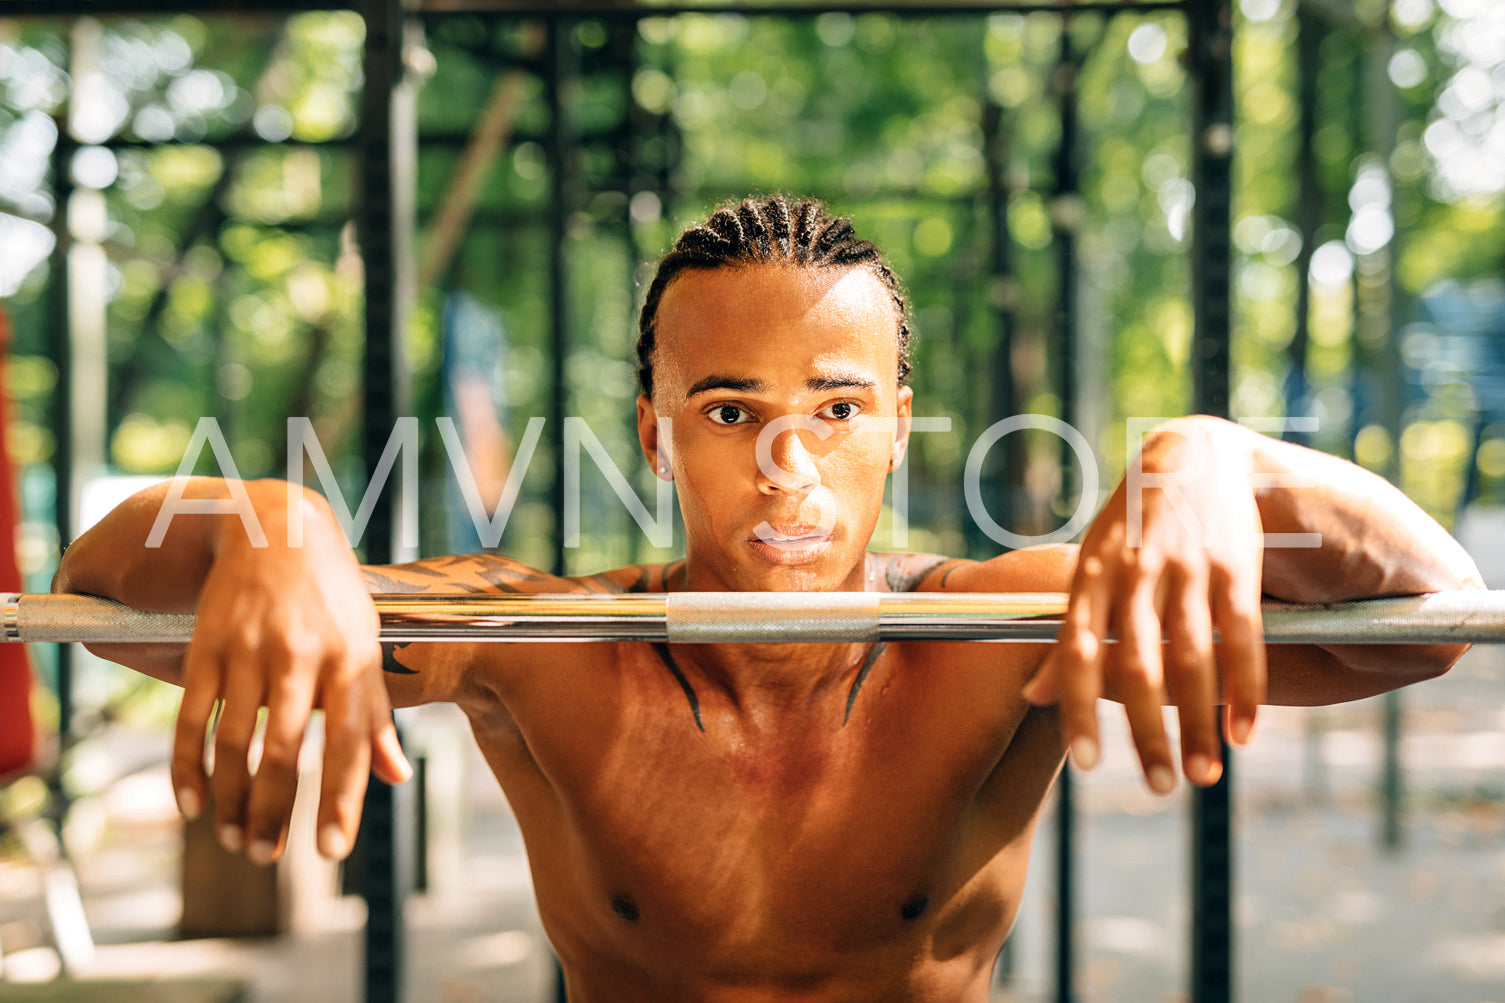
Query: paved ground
{"points": [[1324, 915]]}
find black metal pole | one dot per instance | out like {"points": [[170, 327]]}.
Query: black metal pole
{"points": [[1066, 213], [60, 318], [1380, 296], [561, 157], [1065, 958], [385, 826], [1002, 398], [1310, 33], [1210, 46]]}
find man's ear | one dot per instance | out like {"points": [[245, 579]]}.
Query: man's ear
{"points": [[901, 428], [654, 436]]}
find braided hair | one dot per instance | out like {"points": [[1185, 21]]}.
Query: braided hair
{"points": [[768, 230]]}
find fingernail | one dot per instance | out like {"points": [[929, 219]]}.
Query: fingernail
{"points": [[231, 838], [332, 841], [1084, 752], [1197, 767], [1243, 729], [1162, 780], [189, 803], [261, 852]]}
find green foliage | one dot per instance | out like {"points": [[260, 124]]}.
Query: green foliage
{"points": [[233, 283]]}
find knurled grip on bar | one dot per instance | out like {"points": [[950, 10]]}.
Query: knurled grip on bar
{"points": [[1463, 616], [770, 617], [86, 619]]}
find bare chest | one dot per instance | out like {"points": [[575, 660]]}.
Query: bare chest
{"points": [[810, 834]]}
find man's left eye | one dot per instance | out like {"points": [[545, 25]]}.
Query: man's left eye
{"points": [[840, 411]]}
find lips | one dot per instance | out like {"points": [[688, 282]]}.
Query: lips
{"points": [[794, 536], [790, 543]]}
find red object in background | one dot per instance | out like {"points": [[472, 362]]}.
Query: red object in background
{"points": [[17, 732]]}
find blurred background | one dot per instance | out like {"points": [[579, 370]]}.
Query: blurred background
{"points": [[179, 196]]}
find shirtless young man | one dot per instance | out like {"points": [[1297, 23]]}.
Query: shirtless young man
{"points": [[778, 822]]}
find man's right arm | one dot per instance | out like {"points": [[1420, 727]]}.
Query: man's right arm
{"points": [[289, 628]]}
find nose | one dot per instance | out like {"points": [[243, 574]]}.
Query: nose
{"points": [[787, 466]]}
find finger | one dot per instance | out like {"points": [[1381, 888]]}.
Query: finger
{"points": [[1078, 661], [231, 781], [201, 686], [1140, 673], [1191, 681], [1241, 655], [349, 712], [270, 805], [388, 761]]}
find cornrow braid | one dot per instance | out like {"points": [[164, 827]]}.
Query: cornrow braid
{"points": [[767, 231]]}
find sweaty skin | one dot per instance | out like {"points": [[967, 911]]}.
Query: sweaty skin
{"points": [[782, 822]]}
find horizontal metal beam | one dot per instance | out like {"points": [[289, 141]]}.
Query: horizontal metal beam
{"points": [[573, 8], [147, 8], [902, 8], [1338, 13], [1464, 616]]}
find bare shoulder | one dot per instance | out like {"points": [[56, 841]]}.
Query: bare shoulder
{"points": [[1047, 568], [480, 676], [635, 578], [464, 574]]}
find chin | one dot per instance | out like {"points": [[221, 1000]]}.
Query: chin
{"points": [[826, 575]]}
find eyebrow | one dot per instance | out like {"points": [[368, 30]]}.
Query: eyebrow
{"points": [[746, 385], [740, 384]]}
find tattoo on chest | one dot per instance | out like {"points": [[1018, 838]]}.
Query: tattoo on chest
{"points": [[684, 684], [389, 662], [873, 654]]}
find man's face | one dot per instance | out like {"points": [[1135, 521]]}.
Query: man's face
{"points": [[779, 354]]}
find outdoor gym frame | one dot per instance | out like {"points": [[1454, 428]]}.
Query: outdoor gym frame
{"points": [[387, 142]]}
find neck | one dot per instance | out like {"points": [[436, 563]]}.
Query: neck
{"points": [[785, 676]]}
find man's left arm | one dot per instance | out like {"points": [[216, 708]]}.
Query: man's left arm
{"points": [[1371, 540], [1180, 552]]}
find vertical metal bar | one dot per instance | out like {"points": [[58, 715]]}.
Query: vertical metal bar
{"points": [[1379, 291], [386, 136], [1392, 780], [630, 166], [1065, 959], [60, 317], [1066, 215], [1003, 399], [1002, 296], [561, 158], [1210, 45], [1310, 34]]}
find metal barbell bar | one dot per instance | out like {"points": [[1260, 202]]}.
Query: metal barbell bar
{"points": [[1452, 617]]}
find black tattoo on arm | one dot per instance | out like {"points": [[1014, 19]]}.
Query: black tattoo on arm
{"points": [[958, 564], [907, 579], [458, 573], [389, 662]]}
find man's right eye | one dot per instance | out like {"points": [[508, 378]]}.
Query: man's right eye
{"points": [[729, 414]]}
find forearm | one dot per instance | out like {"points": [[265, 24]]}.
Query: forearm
{"points": [[1371, 540], [115, 558]]}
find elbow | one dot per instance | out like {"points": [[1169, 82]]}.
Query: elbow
{"points": [[1430, 661]]}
